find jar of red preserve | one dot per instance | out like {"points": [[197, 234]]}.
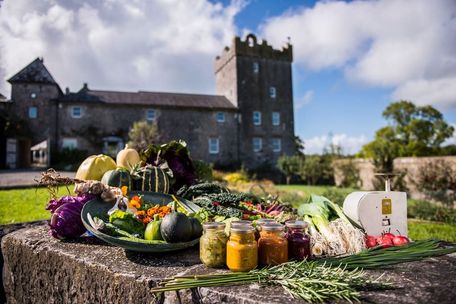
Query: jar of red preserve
{"points": [[298, 240]]}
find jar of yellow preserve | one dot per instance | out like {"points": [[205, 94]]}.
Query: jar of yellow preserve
{"points": [[272, 245], [241, 249], [213, 245]]}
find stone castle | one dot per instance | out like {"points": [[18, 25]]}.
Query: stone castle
{"points": [[249, 121]]}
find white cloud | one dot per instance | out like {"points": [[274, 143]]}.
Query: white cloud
{"points": [[304, 99], [409, 46], [350, 144], [115, 44]]}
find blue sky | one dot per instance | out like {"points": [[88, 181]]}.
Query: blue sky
{"points": [[351, 59]]}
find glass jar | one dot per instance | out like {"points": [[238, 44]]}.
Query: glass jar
{"points": [[213, 245], [298, 240], [242, 249], [272, 245], [240, 223], [259, 223]]}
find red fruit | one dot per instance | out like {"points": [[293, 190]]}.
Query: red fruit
{"points": [[371, 241], [385, 241], [400, 240], [389, 235]]}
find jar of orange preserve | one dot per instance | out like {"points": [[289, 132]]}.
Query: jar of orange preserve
{"points": [[272, 245], [241, 249]]}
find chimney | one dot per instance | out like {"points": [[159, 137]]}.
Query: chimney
{"points": [[67, 90], [85, 87]]}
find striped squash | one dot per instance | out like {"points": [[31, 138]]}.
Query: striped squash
{"points": [[151, 179], [117, 178]]}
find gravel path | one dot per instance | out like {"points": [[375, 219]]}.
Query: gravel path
{"points": [[20, 179]]}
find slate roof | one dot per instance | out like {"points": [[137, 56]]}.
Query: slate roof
{"points": [[150, 99], [2, 97], [34, 72]]}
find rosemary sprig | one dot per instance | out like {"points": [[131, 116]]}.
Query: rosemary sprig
{"points": [[305, 280]]}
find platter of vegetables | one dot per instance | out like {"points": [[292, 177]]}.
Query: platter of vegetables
{"points": [[144, 222]]}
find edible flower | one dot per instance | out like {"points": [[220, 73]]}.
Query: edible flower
{"points": [[124, 190], [135, 202]]}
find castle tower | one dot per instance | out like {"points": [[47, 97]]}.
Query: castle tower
{"points": [[257, 79], [33, 94]]}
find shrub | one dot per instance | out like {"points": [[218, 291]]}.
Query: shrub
{"points": [[349, 173], [142, 134], [289, 165], [428, 211], [203, 170], [237, 177], [437, 180], [68, 159]]}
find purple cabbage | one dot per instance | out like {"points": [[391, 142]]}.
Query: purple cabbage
{"points": [[66, 216]]}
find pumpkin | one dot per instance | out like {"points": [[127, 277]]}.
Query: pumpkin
{"points": [[127, 158], [151, 178], [118, 177], [94, 166]]}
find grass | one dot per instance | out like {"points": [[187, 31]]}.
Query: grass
{"points": [[423, 230], [25, 205]]}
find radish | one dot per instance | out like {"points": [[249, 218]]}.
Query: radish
{"points": [[371, 241], [384, 241], [400, 240]]}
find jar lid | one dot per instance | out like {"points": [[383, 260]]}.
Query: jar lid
{"points": [[272, 227], [296, 224], [241, 223], [214, 225], [242, 229], [265, 221]]}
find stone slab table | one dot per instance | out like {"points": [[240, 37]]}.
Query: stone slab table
{"points": [[40, 269]]}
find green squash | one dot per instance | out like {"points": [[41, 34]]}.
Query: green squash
{"points": [[197, 228], [176, 227], [151, 178], [118, 177]]}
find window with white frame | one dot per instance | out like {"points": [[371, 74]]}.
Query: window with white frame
{"points": [[150, 115], [276, 144], [76, 112], [272, 92], [214, 147], [70, 143], [275, 118], [256, 67], [257, 144], [257, 118], [220, 116], [33, 112]]}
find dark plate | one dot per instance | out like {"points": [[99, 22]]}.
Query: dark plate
{"points": [[98, 207]]}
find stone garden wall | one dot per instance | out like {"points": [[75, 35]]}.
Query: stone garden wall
{"points": [[410, 164]]}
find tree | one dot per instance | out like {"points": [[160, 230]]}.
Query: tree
{"points": [[289, 165], [299, 145], [412, 131], [317, 169], [142, 134]]}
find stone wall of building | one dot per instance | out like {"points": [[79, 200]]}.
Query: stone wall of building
{"points": [[43, 126], [411, 165], [195, 126]]}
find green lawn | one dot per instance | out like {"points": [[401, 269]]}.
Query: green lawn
{"points": [[25, 205], [422, 230]]}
